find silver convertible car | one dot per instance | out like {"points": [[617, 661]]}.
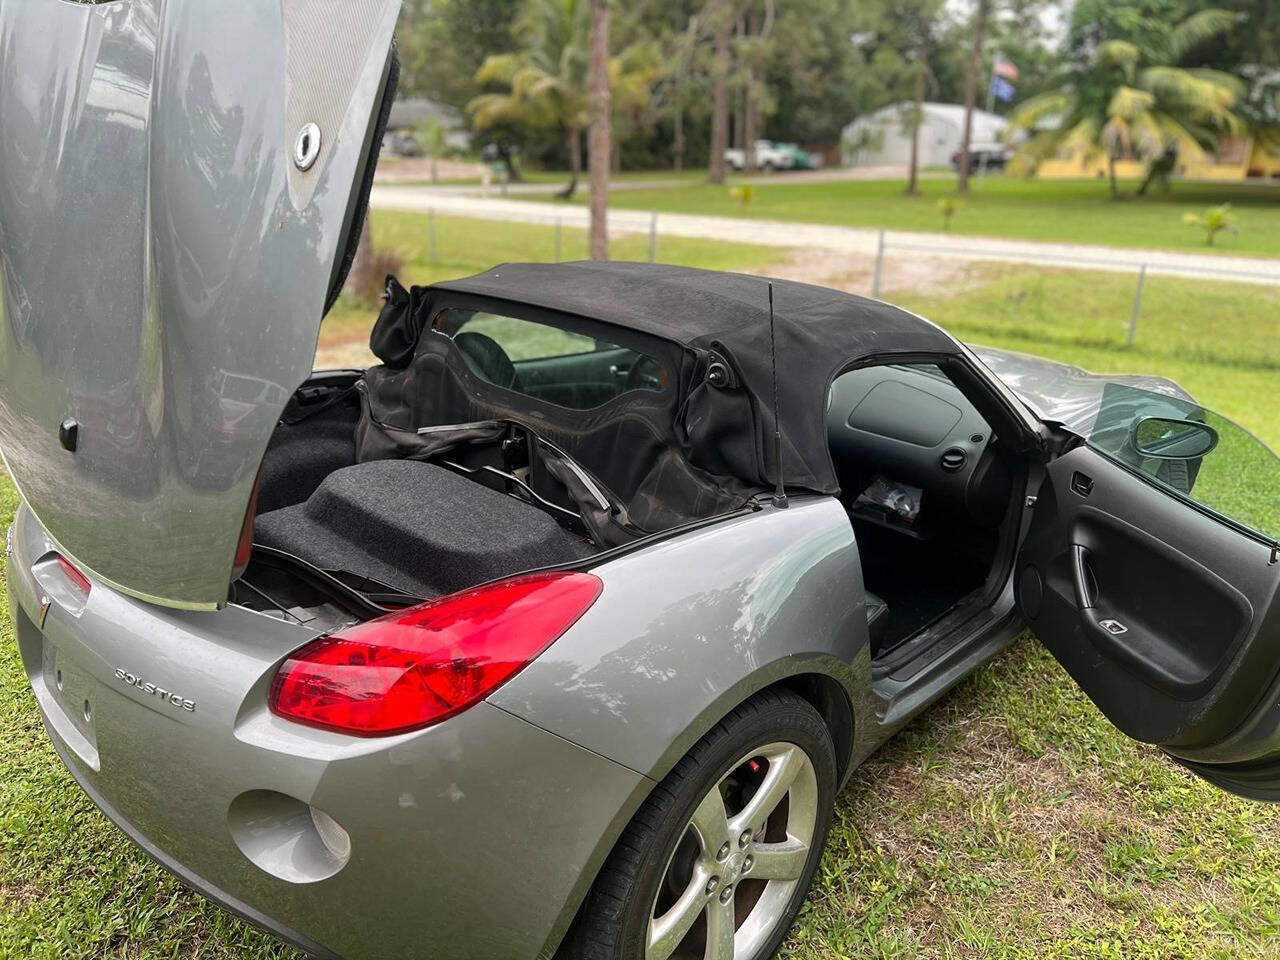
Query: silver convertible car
{"points": [[556, 632]]}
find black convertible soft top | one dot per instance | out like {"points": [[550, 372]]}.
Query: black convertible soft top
{"points": [[819, 333]]}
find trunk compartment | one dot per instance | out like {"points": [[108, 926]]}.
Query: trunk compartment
{"points": [[418, 527], [337, 541]]}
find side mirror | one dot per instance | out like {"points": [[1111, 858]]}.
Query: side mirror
{"points": [[1163, 438]]}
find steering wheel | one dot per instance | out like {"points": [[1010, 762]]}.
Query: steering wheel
{"points": [[487, 359], [645, 374]]}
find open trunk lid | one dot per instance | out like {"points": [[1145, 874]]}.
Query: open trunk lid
{"points": [[164, 261]]}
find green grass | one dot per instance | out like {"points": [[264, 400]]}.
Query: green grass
{"points": [[1012, 821], [562, 177], [1068, 211], [1232, 324], [1009, 821], [1219, 341]]}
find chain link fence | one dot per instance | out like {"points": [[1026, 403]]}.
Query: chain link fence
{"points": [[980, 289]]}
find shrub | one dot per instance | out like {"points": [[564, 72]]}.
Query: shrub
{"points": [[947, 206], [1214, 221]]}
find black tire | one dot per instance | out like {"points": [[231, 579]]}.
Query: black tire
{"points": [[613, 923]]}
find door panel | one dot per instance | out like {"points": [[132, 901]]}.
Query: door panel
{"points": [[1163, 614], [1154, 609]]}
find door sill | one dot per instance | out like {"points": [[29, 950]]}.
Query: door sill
{"points": [[909, 688]]}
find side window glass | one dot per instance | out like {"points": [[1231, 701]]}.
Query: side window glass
{"points": [[1193, 453], [519, 339], [548, 363]]}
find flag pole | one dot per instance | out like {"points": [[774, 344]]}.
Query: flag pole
{"points": [[991, 84]]}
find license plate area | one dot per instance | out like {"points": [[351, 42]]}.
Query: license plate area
{"points": [[69, 702]]}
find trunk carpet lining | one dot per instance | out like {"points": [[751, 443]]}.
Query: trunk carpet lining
{"points": [[418, 527]]}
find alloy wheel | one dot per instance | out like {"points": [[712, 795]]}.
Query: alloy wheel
{"points": [[734, 870]]}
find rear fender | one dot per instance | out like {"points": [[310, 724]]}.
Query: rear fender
{"points": [[687, 629]]}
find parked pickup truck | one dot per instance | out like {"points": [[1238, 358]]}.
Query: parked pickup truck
{"points": [[768, 157], [985, 156], [801, 159]]}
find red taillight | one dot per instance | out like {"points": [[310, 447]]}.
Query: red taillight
{"points": [[78, 579], [422, 665]]}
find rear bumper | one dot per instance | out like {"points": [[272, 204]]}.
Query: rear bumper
{"points": [[475, 838], [220, 897]]}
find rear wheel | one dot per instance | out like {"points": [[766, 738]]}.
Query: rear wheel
{"points": [[718, 860]]}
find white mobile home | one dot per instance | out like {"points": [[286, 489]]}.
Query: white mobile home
{"points": [[883, 138]]}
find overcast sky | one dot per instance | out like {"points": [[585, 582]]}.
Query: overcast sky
{"points": [[1054, 15]]}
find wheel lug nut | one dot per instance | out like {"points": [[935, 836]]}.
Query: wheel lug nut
{"points": [[726, 894], [747, 864], [724, 852], [712, 884], [744, 839]]}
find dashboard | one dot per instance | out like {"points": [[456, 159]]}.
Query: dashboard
{"points": [[912, 425]]}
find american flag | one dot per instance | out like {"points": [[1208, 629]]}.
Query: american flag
{"points": [[1004, 68]]}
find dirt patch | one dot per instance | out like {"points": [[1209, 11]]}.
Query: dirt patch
{"points": [[403, 169], [16, 898], [854, 273], [351, 353]]}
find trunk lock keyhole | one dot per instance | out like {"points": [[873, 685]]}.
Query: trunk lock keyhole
{"points": [[306, 148]]}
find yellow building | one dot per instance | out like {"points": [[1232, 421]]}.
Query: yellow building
{"points": [[1237, 158], [1264, 159], [1082, 166], [1240, 158]]}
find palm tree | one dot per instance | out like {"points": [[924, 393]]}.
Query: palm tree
{"points": [[910, 37], [720, 15], [914, 116], [546, 78], [431, 138], [598, 107], [971, 92], [1133, 100], [1215, 220]]}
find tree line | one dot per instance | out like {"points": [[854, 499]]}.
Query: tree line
{"points": [[673, 83]]}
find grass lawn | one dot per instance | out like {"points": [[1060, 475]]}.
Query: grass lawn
{"points": [[1010, 821], [1068, 211], [1220, 341], [562, 177]]}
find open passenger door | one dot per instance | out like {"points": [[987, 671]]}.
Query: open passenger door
{"points": [[1151, 571]]}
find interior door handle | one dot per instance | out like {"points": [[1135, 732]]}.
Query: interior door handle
{"points": [[1080, 574], [1081, 484]]}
